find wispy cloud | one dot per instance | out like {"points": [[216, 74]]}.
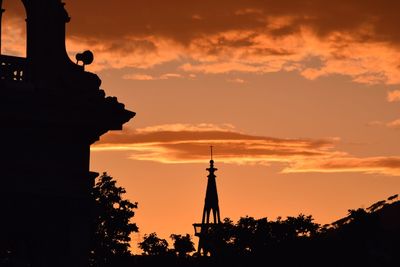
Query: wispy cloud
{"points": [[237, 80], [376, 165], [255, 51], [138, 77], [147, 77], [181, 143], [238, 36], [394, 124], [393, 96], [375, 123], [188, 143]]}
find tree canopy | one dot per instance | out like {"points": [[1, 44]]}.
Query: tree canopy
{"points": [[182, 244], [112, 223], [152, 245]]}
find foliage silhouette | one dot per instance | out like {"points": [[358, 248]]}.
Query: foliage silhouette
{"points": [[252, 237], [112, 222], [152, 245], [182, 244], [365, 237]]}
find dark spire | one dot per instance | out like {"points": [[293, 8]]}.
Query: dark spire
{"points": [[211, 201], [206, 229]]}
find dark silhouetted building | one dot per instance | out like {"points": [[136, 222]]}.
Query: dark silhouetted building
{"points": [[51, 111]]}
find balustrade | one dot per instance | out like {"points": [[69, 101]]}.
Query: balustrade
{"points": [[12, 68]]}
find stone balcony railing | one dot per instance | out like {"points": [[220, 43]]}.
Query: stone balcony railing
{"points": [[12, 69], [201, 229]]}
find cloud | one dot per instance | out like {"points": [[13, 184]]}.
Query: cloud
{"points": [[394, 124], [237, 80], [393, 96], [132, 52], [12, 29], [189, 143], [146, 77], [181, 143], [184, 21], [167, 76], [375, 123], [373, 165], [138, 77], [179, 127], [239, 36]]}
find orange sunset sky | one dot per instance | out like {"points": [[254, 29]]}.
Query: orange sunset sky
{"points": [[300, 99]]}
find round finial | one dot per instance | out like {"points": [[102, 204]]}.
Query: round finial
{"points": [[211, 162], [86, 57]]}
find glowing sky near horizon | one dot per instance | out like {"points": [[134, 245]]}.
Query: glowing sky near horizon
{"points": [[300, 99]]}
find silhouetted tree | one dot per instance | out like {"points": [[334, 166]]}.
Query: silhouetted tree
{"points": [[112, 222], [251, 235], [182, 244], [245, 235], [152, 245], [302, 226]]}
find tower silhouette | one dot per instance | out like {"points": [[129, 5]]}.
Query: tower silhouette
{"points": [[207, 230], [52, 110]]}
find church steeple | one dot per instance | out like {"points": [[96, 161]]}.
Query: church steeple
{"points": [[206, 229], [211, 201]]}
